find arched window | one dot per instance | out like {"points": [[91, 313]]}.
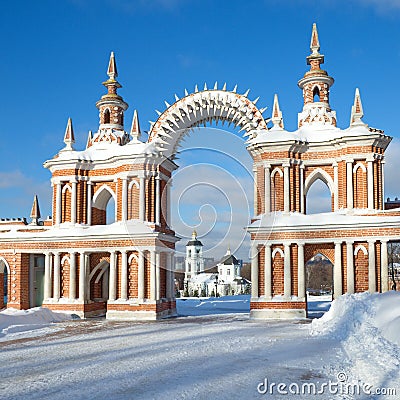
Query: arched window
{"points": [[106, 116], [103, 210], [319, 198], [316, 96]]}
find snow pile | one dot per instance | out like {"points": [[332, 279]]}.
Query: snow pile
{"points": [[354, 312], [213, 305], [368, 326], [15, 323]]}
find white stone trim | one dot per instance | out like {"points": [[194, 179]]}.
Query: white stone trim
{"points": [[277, 250], [359, 165], [360, 247]]}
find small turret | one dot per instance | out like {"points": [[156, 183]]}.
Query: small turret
{"points": [[315, 85], [111, 105]]}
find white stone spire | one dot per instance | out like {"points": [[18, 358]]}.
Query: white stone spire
{"points": [[277, 118], [135, 127], [35, 212], [69, 138], [357, 111]]}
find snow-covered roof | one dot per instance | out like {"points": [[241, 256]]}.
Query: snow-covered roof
{"points": [[67, 230], [315, 133]]}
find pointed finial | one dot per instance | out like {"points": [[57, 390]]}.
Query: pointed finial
{"points": [[314, 45], [228, 251], [276, 118], [357, 111], [186, 92], [69, 138], [35, 212], [194, 234], [135, 128], [112, 67], [89, 139]]}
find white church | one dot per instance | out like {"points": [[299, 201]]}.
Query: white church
{"points": [[221, 280]]}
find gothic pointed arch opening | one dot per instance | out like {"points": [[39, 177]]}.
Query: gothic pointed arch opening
{"points": [[319, 284], [103, 206], [319, 192], [4, 282]]}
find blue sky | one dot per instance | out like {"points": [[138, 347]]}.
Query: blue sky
{"points": [[55, 53]]}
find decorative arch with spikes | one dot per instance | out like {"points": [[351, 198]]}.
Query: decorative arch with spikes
{"points": [[201, 107]]}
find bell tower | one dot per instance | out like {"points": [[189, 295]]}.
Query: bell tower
{"points": [[316, 84]]}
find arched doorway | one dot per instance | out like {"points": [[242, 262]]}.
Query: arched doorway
{"points": [[319, 284], [98, 287]]}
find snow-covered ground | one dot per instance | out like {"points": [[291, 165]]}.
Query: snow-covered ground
{"points": [[204, 356]]}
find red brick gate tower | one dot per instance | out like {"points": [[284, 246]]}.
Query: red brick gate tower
{"points": [[83, 260], [353, 236]]}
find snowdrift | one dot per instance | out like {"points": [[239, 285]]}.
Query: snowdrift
{"points": [[14, 322], [362, 311], [368, 328]]}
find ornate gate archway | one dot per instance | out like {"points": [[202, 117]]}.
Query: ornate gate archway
{"points": [[201, 107]]}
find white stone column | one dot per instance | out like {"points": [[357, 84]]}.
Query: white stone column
{"points": [[172, 267], [56, 276], [287, 276], [383, 162], [47, 276], [254, 270], [350, 267], [158, 200], [384, 266], [301, 271], [336, 186], [168, 206], [153, 284], [371, 267], [255, 175], [370, 183], [168, 276], [89, 202], [72, 276], [286, 188], [142, 198], [337, 271], [158, 275], [267, 188], [268, 271], [124, 275], [302, 198], [141, 276], [73, 202], [124, 200], [58, 203], [82, 277], [349, 183], [112, 294]]}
